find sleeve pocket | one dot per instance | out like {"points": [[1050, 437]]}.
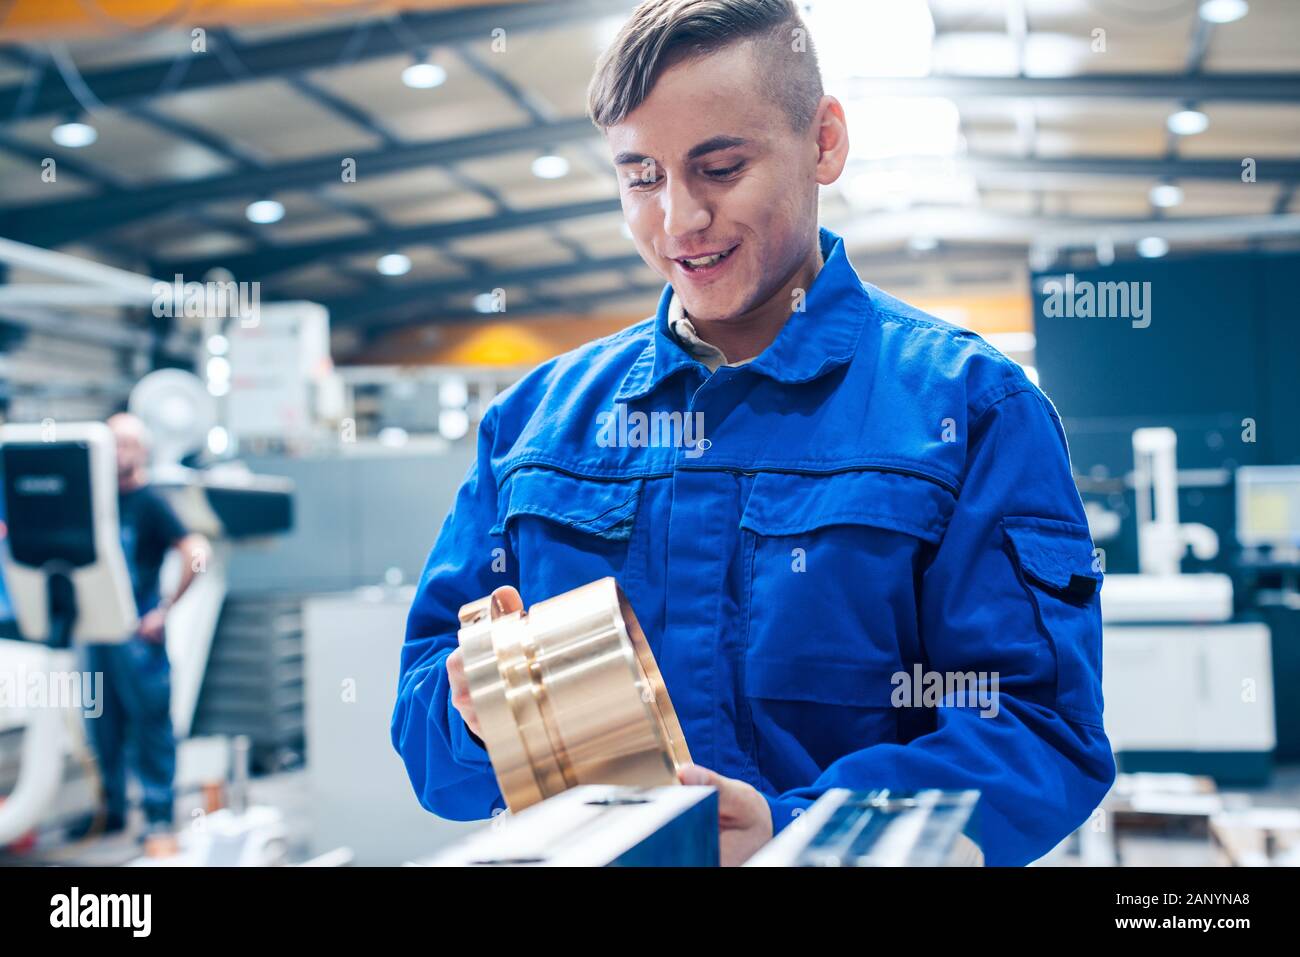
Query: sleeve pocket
{"points": [[1054, 561]]}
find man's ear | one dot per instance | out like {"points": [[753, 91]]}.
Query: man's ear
{"points": [[832, 133]]}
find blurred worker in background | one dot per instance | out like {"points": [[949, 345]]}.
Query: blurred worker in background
{"points": [[136, 716]]}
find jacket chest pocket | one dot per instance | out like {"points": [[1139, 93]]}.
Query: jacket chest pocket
{"points": [[832, 608], [564, 530]]}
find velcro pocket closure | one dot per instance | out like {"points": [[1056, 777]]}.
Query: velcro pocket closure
{"points": [[1055, 555], [604, 508], [1055, 561]]}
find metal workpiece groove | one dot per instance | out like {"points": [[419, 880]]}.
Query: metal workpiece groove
{"points": [[568, 693]]}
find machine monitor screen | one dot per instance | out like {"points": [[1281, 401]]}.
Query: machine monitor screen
{"points": [[1268, 506], [47, 495], [62, 549]]}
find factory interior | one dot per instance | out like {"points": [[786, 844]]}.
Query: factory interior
{"points": [[307, 246]]}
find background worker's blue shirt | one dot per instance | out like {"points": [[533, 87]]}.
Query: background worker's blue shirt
{"points": [[876, 490], [149, 528]]}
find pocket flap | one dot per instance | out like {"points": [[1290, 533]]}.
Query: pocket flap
{"points": [[782, 503], [596, 506], [1056, 555]]}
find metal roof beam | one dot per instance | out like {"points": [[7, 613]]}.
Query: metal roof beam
{"points": [[1251, 87], [54, 223], [250, 266], [286, 56], [354, 309]]}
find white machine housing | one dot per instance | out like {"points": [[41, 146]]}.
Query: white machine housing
{"points": [[106, 607]]}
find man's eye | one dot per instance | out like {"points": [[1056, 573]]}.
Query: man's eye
{"points": [[640, 182], [723, 173]]}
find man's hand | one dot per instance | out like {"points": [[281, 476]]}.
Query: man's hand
{"points": [[151, 625], [505, 601], [744, 817], [460, 698]]}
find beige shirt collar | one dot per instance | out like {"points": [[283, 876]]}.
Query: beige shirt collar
{"points": [[710, 355]]}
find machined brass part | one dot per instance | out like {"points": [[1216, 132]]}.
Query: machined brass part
{"points": [[568, 693]]}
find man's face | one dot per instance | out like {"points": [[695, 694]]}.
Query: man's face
{"points": [[131, 453], [709, 165]]}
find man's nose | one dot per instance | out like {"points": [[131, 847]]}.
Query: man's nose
{"points": [[683, 212]]}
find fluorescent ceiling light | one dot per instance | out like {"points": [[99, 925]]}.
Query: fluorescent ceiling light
{"points": [[394, 264], [1188, 122], [74, 135], [550, 166], [424, 76], [1165, 195], [1223, 11], [264, 211], [1152, 247]]}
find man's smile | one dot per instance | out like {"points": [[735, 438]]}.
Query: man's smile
{"points": [[703, 265]]}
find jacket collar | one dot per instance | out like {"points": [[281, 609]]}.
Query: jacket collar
{"points": [[813, 341]]}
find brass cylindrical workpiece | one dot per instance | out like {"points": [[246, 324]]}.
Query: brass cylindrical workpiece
{"points": [[568, 693]]}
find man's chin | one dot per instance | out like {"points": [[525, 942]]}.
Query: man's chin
{"points": [[710, 310]]}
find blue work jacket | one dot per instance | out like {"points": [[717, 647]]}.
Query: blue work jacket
{"points": [[878, 497]]}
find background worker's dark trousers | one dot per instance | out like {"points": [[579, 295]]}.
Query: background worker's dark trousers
{"points": [[135, 725]]}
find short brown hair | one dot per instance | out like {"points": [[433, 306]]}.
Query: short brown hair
{"points": [[663, 32]]}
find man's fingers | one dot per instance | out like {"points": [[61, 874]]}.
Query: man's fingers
{"points": [[471, 720], [693, 774], [465, 706], [460, 697], [729, 798], [743, 825]]}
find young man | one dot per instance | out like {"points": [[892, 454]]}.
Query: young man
{"points": [[137, 676], [867, 498]]}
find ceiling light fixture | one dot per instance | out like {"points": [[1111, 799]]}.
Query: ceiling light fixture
{"points": [[1165, 195], [1152, 247], [74, 134], [550, 166], [424, 76], [1223, 11], [1187, 122], [264, 211], [394, 264]]}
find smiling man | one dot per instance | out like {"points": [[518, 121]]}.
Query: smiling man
{"points": [[883, 500]]}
